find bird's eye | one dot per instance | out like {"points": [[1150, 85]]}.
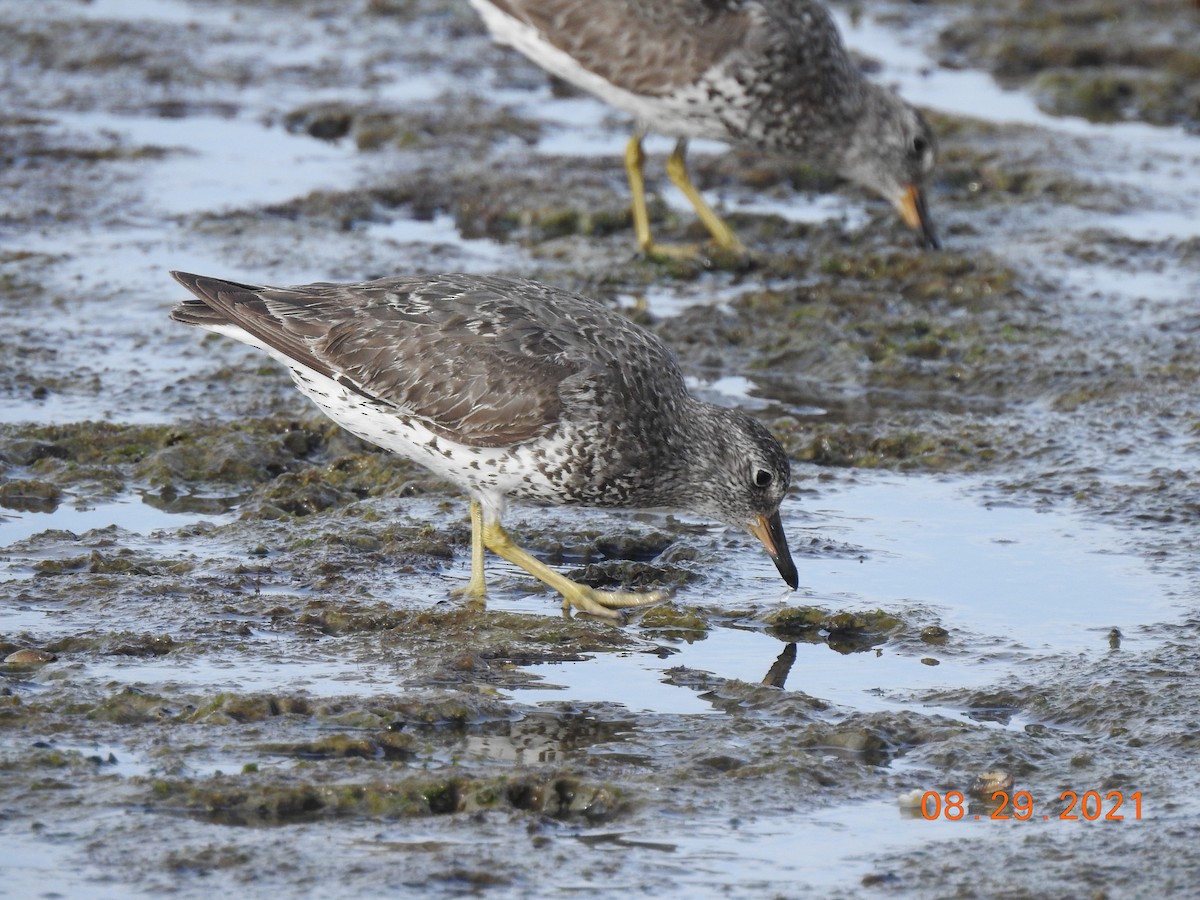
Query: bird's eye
{"points": [[762, 478], [919, 146]]}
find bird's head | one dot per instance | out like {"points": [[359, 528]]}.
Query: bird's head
{"points": [[892, 151], [746, 477]]}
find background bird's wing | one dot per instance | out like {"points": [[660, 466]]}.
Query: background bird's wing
{"points": [[471, 357], [650, 47]]}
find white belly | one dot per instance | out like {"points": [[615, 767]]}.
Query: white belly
{"points": [[488, 473]]}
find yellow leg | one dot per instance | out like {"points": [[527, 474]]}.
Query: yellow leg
{"points": [[476, 588], [635, 159], [606, 604], [722, 234]]}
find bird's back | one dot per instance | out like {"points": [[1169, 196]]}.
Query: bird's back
{"points": [[487, 361]]}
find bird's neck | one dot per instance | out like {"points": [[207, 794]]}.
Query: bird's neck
{"points": [[699, 452]]}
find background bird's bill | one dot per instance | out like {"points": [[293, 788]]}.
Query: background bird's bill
{"points": [[915, 214]]}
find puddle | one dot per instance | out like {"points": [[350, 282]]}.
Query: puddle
{"points": [[240, 160], [265, 663], [40, 864], [171, 12], [664, 302], [136, 525], [129, 514], [730, 390], [812, 208], [1041, 579], [124, 762], [810, 850], [634, 680], [1012, 585]]}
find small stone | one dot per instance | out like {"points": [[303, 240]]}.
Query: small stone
{"points": [[29, 657], [987, 783], [911, 800]]}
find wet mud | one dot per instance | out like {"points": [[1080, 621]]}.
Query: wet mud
{"points": [[232, 659]]}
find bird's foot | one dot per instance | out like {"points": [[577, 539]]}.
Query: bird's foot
{"points": [[604, 604], [473, 593], [610, 605], [708, 255]]}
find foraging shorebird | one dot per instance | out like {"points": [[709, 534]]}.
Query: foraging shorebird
{"points": [[512, 390], [768, 74]]}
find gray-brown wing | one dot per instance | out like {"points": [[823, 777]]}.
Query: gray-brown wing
{"points": [[648, 47], [462, 353]]}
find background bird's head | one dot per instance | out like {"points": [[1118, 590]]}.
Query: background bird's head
{"points": [[892, 151]]}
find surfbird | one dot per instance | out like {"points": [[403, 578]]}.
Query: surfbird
{"points": [[512, 390], [771, 75]]}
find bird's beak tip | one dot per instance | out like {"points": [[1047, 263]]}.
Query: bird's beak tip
{"points": [[769, 530], [915, 214]]}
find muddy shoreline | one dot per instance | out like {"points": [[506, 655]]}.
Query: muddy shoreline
{"points": [[253, 676]]}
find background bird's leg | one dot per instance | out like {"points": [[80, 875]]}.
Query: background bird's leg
{"points": [[635, 159], [606, 604], [722, 234]]}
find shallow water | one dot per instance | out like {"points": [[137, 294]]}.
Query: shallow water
{"points": [[983, 570], [128, 513], [1016, 585], [1152, 159], [1019, 586]]}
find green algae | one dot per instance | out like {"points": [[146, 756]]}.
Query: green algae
{"points": [[30, 495], [675, 622], [122, 562], [384, 745], [229, 802], [843, 631]]}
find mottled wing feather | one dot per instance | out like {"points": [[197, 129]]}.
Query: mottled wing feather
{"points": [[441, 350], [468, 385], [651, 47]]}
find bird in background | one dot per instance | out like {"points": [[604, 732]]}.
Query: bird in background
{"points": [[513, 390], [772, 75]]}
